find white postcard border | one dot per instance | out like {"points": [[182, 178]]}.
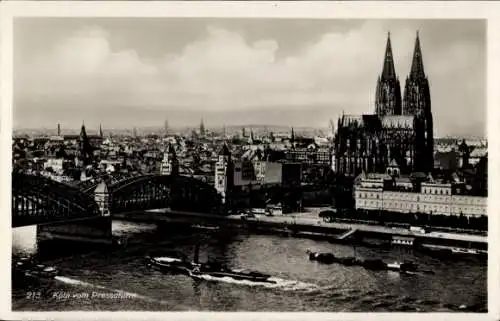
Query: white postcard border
{"points": [[230, 9]]}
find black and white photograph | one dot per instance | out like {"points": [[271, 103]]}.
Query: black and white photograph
{"points": [[249, 164]]}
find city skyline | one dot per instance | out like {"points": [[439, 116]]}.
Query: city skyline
{"points": [[237, 71]]}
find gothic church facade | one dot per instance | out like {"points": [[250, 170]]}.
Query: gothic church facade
{"points": [[401, 130]]}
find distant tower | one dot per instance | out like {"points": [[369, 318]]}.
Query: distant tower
{"points": [[417, 102], [292, 138], [251, 139], [223, 173], [134, 132], [243, 132], [100, 131], [165, 126], [202, 128], [58, 129], [86, 150], [463, 149], [388, 92], [169, 164], [332, 127]]}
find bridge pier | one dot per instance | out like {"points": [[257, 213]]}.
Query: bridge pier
{"points": [[96, 230]]}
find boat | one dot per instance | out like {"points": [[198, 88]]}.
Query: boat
{"points": [[204, 227], [169, 264], [402, 266], [169, 261], [27, 268], [327, 258], [218, 270], [457, 250]]}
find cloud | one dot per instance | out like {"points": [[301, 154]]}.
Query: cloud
{"points": [[222, 70]]}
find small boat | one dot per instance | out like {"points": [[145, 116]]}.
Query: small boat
{"points": [[169, 264], [327, 258], [402, 267], [203, 227], [26, 268], [457, 250], [43, 271]]}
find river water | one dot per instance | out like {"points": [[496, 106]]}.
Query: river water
{"points": [[119, 279]]}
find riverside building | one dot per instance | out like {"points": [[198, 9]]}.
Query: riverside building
{"points": [[410, 194]]}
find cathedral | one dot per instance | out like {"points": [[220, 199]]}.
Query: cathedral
{"points": [[399, 134]]}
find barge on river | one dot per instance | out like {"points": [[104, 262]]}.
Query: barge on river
{"points": [[406, 267], [199, 270]]}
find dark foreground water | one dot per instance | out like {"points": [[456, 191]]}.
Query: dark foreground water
{"points": [[119, 280]]}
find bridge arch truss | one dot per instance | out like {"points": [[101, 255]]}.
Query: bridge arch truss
{"points": [[183, 193], [37, 199]]}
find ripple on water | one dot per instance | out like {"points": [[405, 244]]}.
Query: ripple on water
{"points": [[301, 285]]}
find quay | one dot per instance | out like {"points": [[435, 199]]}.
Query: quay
{"points": [[307, 224]]}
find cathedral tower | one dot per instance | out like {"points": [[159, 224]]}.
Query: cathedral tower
{"points": [[388, 92], [417, 102]]}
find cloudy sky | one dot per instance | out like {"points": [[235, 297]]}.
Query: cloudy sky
{"points": [[126, 72]]}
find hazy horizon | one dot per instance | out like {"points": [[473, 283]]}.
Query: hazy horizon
{"points": [[139, 72]]}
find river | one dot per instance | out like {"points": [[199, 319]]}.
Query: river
{"points": [[119, 280]]}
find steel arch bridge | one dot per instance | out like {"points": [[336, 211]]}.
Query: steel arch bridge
{"points": [[162, 191], [37, 199]]}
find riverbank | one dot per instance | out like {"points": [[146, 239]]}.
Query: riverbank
{"points": [[311, 226]]}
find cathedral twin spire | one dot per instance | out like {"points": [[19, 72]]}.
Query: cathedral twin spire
{"points": [[416, 102], [388, 96], [388, 71], [388, 92], [417, 65]]}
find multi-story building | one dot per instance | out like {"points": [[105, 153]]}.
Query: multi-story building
{"points": [[391, 192], [309, 155], [235, 180]]}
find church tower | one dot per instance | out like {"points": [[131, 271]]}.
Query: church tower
{"points": [[86, 150], [202, 128], [223, 173], [169, 164], [417, 102], [388, 92]]}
